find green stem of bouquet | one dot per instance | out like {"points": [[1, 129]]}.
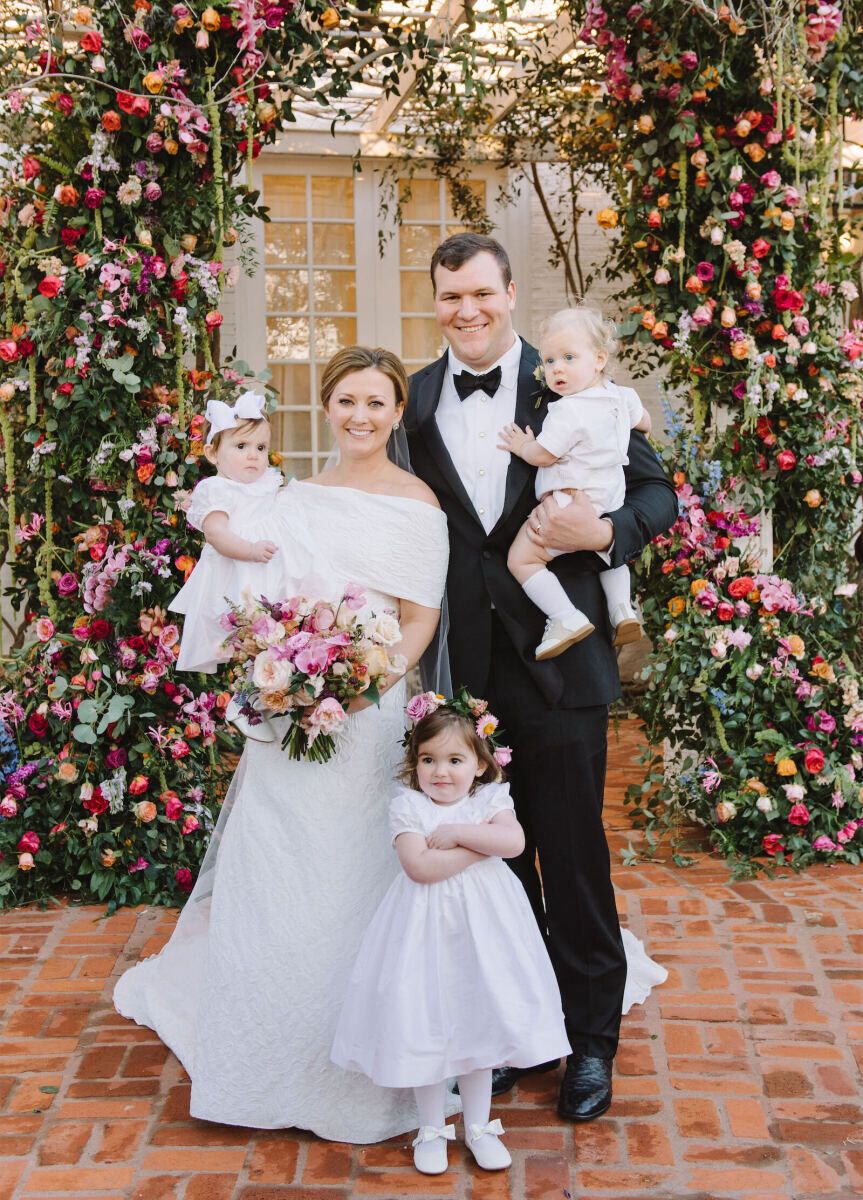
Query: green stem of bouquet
{"points": [[681, 239], [8, 292], [47, 552], [216, 386], [9, 459], [32, 412], [720, 732]]}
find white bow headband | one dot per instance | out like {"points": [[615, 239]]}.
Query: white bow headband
{"points": [[220, 416]]}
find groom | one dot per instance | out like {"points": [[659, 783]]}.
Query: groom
{"points": [[555, 713]]}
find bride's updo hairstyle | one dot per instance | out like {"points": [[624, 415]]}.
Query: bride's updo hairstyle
{"points": [[364, 358], [443, 720]]}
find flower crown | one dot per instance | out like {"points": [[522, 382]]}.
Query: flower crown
{"points": [[467, 706]]}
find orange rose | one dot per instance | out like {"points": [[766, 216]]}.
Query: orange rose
{"points": [[786, 766], [145, 472], [67, 194], [153, 82], [796, 645], [676, 605], [329, 18], [111, 121], [138, 785], [606, 218], [67, 772], [813, 498], [211, 20], [145, 811]]}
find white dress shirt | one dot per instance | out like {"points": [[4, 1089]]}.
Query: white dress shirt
{"points": [[469, 429]]}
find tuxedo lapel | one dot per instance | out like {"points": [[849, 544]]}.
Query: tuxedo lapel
{"points": [[427, 398], [528, 414]]}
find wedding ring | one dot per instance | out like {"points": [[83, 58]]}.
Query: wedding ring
{"points": [[539, 527]]}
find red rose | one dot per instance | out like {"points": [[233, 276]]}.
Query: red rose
{"points": [[112, 121], [70, 236], [136, 106], [29, 842], [97, 803], [772, 842], [99, 630], [738, 588], [37, 725], [31, 167], [50, 286], [813, 760], [724, 610], [139, 785], [93, 197], [91, 42], [183, 877], [799, 815], [786, 460], [760, 247], [138, 644]]}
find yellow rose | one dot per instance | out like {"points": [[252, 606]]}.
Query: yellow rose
{"points": [[796, 645], [645, 123], [786, 220], [109, 857], [606, 218], [329, 18], [676, 605], [153, 82], [170, 146], [727, 318], [755, 151], [211, 20], [697, 585], [741, 349], [813, 498], [755, 785], [786, 766]]}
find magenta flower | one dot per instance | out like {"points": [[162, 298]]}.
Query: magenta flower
{"points": [[93, 197], [824, 843], [689, 60], [771, 179], [704, 271]]}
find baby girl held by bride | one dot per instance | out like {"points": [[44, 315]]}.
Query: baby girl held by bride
{"points": [[452, 977]]}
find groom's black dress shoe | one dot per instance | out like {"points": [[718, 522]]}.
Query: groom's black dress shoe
{"points": [[586, 1089], [503, 1078]]}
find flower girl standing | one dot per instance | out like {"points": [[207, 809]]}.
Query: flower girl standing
{"points": [[452, 977], [234, 510]]}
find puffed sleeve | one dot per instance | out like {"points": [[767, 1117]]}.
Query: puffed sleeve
{"points": [[634, 407], [405, 813], [210, 495], [561, 428], [495, 799]]}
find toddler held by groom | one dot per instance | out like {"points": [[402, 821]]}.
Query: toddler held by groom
{"points": [[555, 712]]}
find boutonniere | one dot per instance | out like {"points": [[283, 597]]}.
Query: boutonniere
{"points": [[539, 376]]}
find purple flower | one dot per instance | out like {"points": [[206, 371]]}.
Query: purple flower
{"points": [[152, 192], [116, 758], [67, 585], [420, 706]]}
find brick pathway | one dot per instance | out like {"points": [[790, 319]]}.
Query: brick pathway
{"points": [[740, 1078]]}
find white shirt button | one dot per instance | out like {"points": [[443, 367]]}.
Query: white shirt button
{"points": [[482, 470], [482, 512], [482, 433]]}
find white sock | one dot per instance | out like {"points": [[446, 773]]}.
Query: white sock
{"points": [[547, 593], [430, 1103], [475, 1092], [616, 586]]}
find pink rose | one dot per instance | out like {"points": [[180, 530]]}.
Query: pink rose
{"points": [[183, 877], [786, 460], [323, 618], [29, 842], [67, 585], [93, 197], [799, 815], [503, 756], [44, 629], [813, 760], [8, 807], [173, 808], [25, 862], [326, 717], [179, 749], [823, 843], [771, 179], [420, 706], [190, 825]]}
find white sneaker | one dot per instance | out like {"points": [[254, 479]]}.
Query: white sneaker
{"points": [[485, 1145], [262, 732], [560, 635], [430, 1148], [625, 624]]}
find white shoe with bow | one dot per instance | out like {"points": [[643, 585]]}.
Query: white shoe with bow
{"points": [[485, 1145], [430, 1148]]}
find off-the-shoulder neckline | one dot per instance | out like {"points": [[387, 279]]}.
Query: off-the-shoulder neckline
{"points": [[339, 487]]}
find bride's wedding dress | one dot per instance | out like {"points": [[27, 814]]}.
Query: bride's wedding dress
{"points": [[247, 993]]}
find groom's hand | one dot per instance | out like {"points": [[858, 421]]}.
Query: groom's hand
{"points": [[576, 527]]}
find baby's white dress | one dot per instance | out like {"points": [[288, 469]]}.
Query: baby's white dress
{"points": [[253, 514], [451, 977]]}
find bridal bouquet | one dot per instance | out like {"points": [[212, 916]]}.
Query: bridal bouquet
{"points": [[307, 659]]}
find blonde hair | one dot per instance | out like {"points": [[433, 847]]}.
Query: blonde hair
{"points": [[364, 358], [599, 330], [246, 428]]}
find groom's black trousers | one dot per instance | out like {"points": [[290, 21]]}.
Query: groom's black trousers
{"points": [[557, 778]]}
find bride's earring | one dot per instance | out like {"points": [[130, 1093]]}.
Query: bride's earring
{"points": [[395, 427]]}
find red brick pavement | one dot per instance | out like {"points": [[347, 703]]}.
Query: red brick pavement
{"points": [[740, 1078]]}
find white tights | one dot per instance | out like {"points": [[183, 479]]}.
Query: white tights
{"points": [[475, 1092]]}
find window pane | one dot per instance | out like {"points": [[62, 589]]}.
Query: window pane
{"points": [[297, 465], [424, 199], [416, 292], [332, 197], [332, 334], [421, 338], [293, 385], [292, 431], [287, 337], [325, 436], [333, 244], [477, 186], [335, 291], [285, 244], [417, 243], [287, 291], [285, 195]]}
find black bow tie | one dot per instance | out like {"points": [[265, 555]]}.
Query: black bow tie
{"points": [[466, 383]]}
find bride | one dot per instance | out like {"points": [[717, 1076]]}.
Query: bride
{"points": [[247, 992]]}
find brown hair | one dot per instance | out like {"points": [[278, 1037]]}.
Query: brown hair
{"points": [[599, 330], [440, 721], [246, 428], [364, 358], [461, 247]]}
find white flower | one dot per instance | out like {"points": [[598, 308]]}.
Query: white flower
{"points": [[848, 289], [129, 192], [671, 633], [384, 629], [764, 804], [794, 791], [273, 674], [755, 671]]}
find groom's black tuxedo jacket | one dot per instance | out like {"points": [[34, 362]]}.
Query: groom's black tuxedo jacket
{"points": [[478, 579]]}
